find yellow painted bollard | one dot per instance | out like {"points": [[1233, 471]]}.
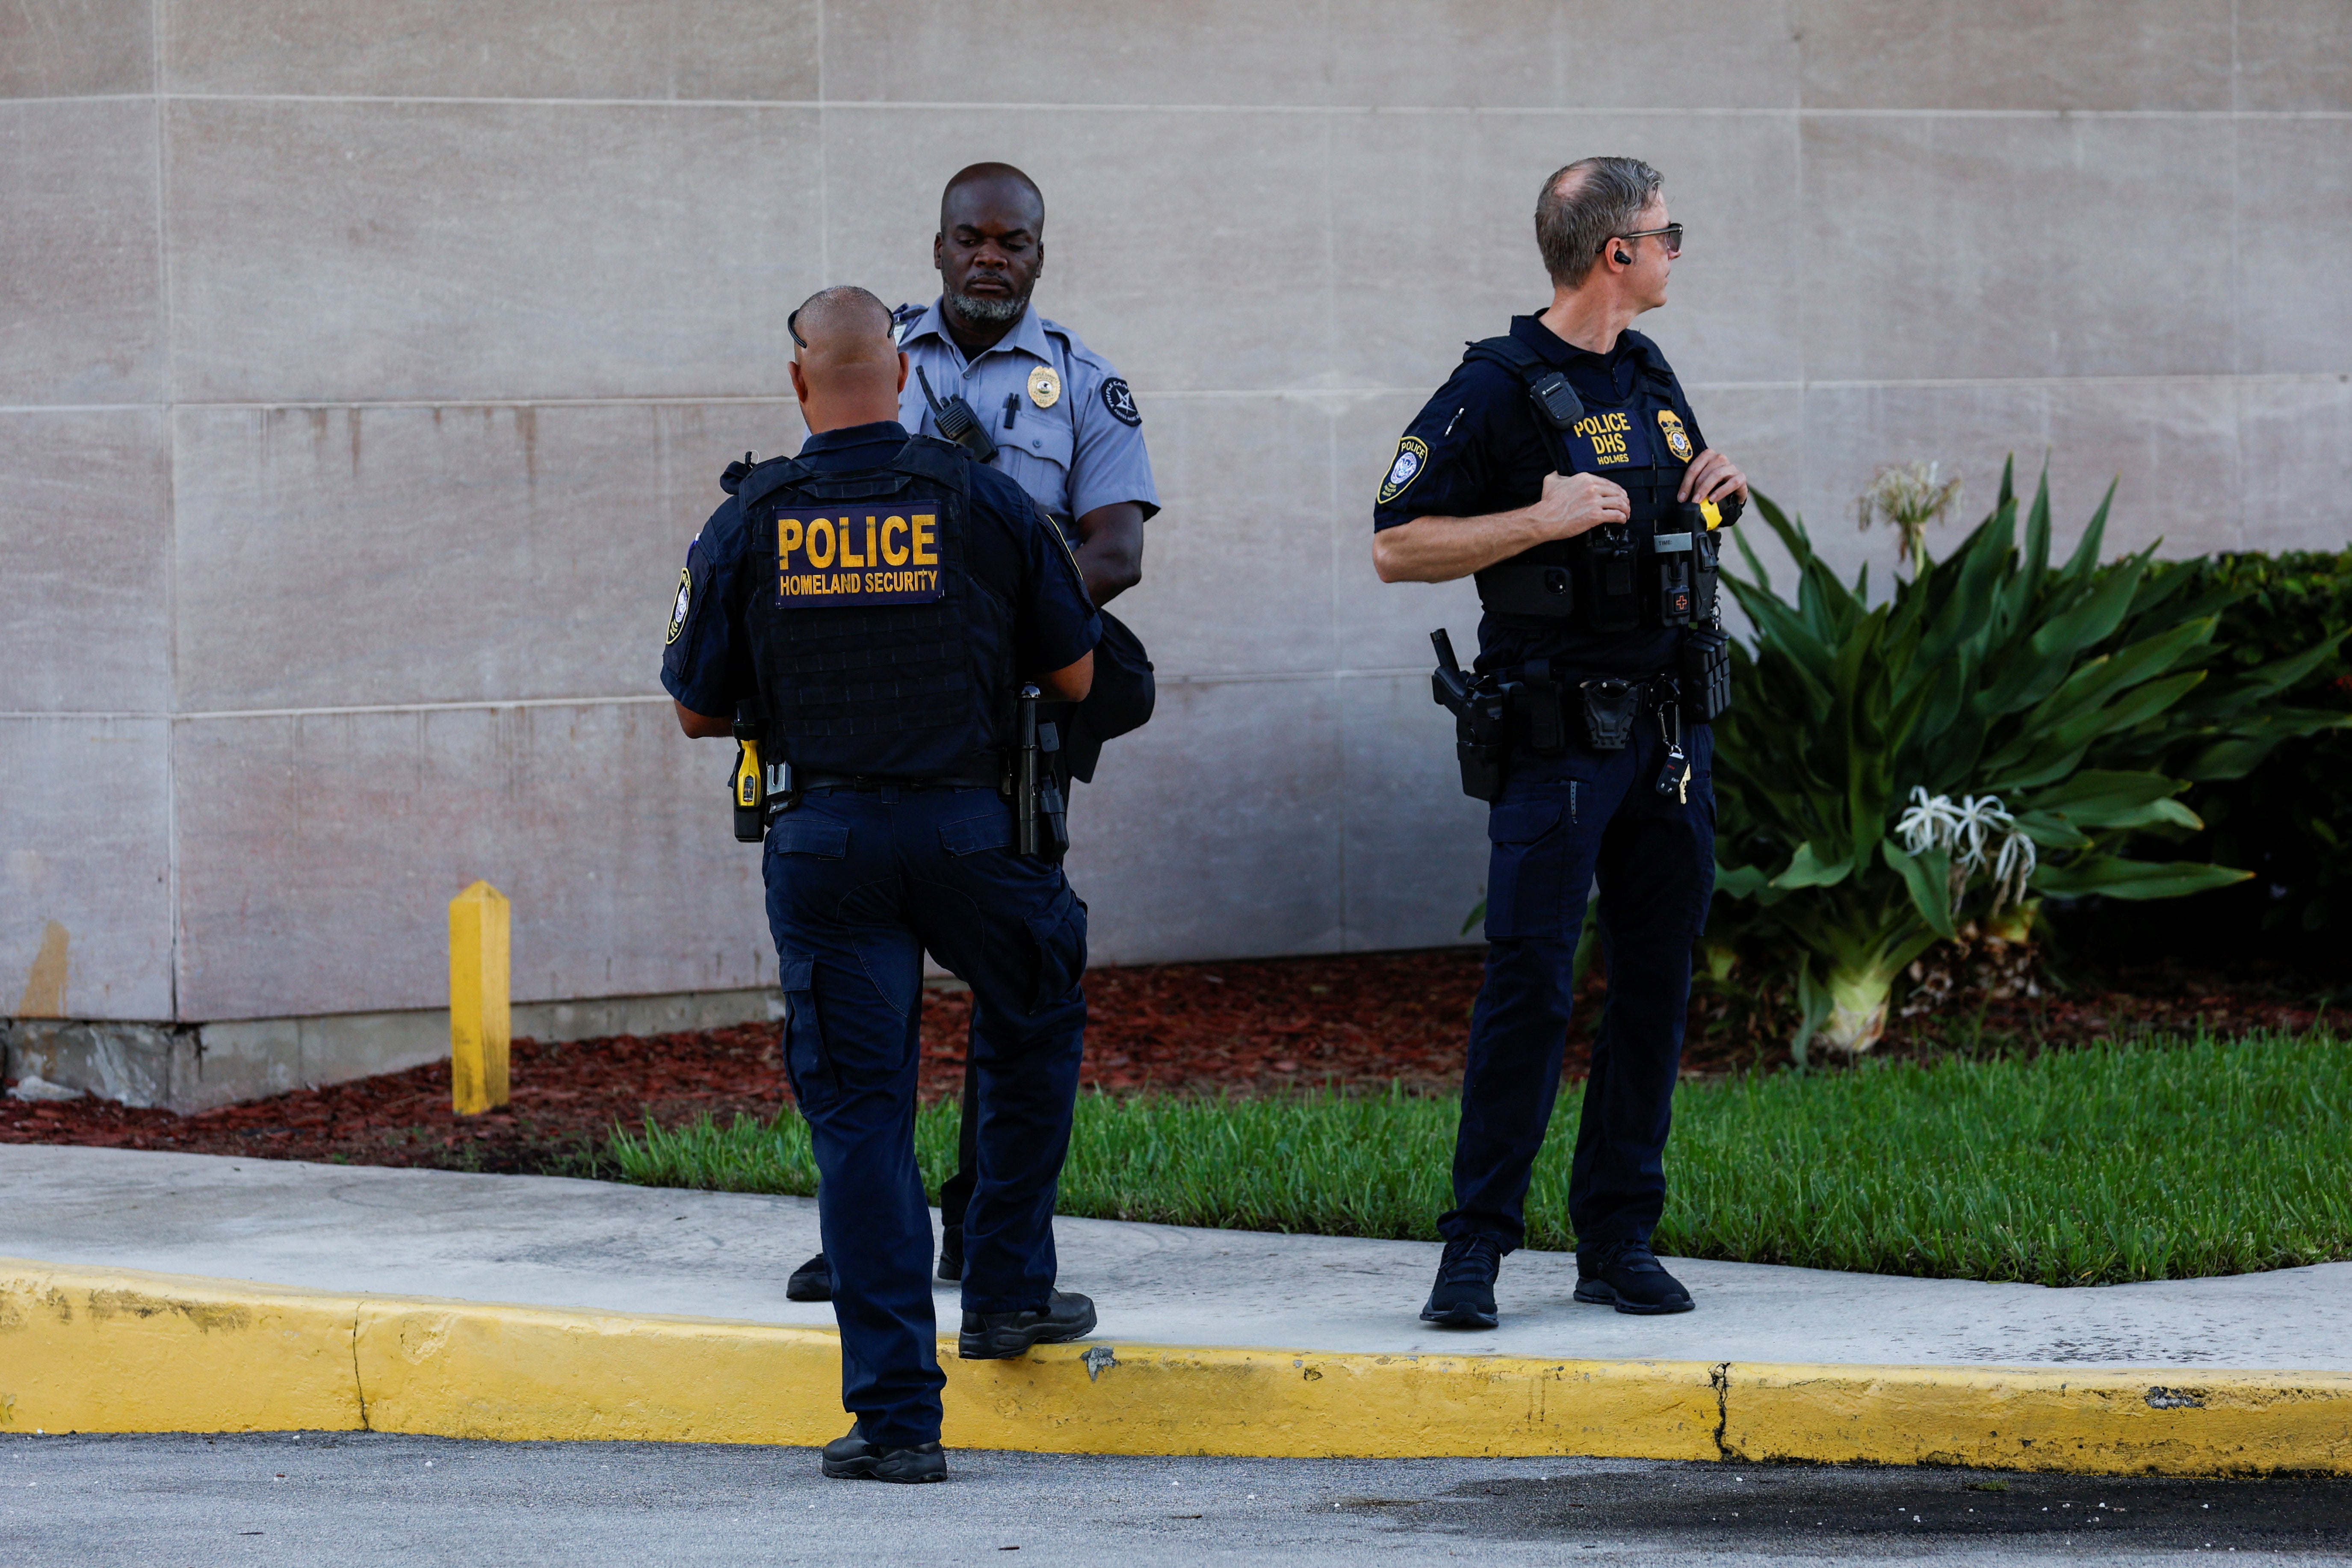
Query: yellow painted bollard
{"points": [[479, 1016]]}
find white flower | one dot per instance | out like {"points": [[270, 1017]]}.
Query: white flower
{"points": [[1978, 830]]}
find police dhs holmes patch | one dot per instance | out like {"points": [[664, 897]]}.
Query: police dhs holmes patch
{"points": [[1411, 456], [678, 607]]}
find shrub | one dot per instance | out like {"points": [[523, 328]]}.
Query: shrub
{"points": [[1993, 730], [2289, 819]]}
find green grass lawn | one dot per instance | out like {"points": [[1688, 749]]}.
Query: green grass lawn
{"points": [[2158, 1161]]}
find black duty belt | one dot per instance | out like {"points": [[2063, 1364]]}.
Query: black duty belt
{"points": [[867, 784]]}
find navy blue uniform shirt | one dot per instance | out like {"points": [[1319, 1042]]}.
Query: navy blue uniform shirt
{"points": [[1479, 451], [1011, 551]]}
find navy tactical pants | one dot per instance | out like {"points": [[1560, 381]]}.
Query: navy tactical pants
{"points": [[1562, 821], [859, 884]]}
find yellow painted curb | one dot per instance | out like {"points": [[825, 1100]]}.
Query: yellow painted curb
{"points": [[2183, 1421], [116, 1351]]}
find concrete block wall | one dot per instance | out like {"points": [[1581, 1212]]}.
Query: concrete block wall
{"points": [[364, 369]]}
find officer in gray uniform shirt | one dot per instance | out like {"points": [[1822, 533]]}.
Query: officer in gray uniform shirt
{"points": [[1062, 423], [1025, 396]]}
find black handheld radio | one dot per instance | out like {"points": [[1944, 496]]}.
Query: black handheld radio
{"points": [[957, 422]]}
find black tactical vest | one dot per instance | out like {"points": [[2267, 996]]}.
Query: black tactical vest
{"points": [[878, 652], [1657, 569]]}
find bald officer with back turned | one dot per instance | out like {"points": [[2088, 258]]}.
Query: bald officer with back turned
{"points": [[881, 605]]}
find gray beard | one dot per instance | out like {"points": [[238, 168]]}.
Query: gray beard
{"points": [[988, 310]]}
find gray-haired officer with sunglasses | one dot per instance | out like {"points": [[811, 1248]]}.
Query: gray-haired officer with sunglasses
{"points": [[1561, 465]]}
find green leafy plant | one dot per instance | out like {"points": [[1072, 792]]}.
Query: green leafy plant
{"points": [[1986, 735], [2288, 820]]}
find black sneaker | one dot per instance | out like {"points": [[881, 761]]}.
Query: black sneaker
{"points": [[950, 1252], [998, 1336], [811, 1281], [853, 1458], [1627, 1276], [1464, 1295]]}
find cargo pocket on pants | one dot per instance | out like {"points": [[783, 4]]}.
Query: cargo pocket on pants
{"points": [[804, 1041], [1524, 871], [1058, 933]]}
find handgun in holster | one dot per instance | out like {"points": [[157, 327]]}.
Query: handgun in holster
{"points": [[1481, 706], [1041, 817], [760, 788]]}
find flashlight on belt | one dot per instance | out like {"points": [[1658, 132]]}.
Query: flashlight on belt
{"points": [[750, 783]]}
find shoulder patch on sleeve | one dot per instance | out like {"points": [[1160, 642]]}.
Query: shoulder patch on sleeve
{"points": [[680, 606], [1411, 456], [1120, 401]]}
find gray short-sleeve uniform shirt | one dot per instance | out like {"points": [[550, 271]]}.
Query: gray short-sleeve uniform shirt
{"points": [[1065, 425]]}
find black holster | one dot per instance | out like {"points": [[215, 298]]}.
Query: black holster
{"points": [[1040, 816], [746, 781], [1481, 706]]}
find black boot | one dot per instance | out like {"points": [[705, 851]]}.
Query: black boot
{"points": [[950, 1252], [811, 1281], [998, 1336], [1463, 1297], [853, 1458], [1627, 1276]]}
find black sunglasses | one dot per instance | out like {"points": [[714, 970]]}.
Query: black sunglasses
{"points": [[1673, 233]]}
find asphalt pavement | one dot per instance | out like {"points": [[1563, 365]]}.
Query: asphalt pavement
{"points": [[343, 1498]]}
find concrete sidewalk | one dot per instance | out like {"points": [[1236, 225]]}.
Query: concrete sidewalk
{"points": [[610, 1255], [553, 1242]]}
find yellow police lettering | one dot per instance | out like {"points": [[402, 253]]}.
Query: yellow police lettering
{"points": [[818, 560], [1601, 423]]}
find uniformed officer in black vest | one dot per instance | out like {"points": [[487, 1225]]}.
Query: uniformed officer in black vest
{"points": [[875, 606], [1562, 466]]}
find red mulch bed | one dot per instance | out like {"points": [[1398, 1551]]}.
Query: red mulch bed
{"points": [[1255, 1027]]}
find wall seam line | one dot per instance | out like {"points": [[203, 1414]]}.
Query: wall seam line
{"points": [[1802, 383], [493, 705], [1013, 106], [158, 55]]}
